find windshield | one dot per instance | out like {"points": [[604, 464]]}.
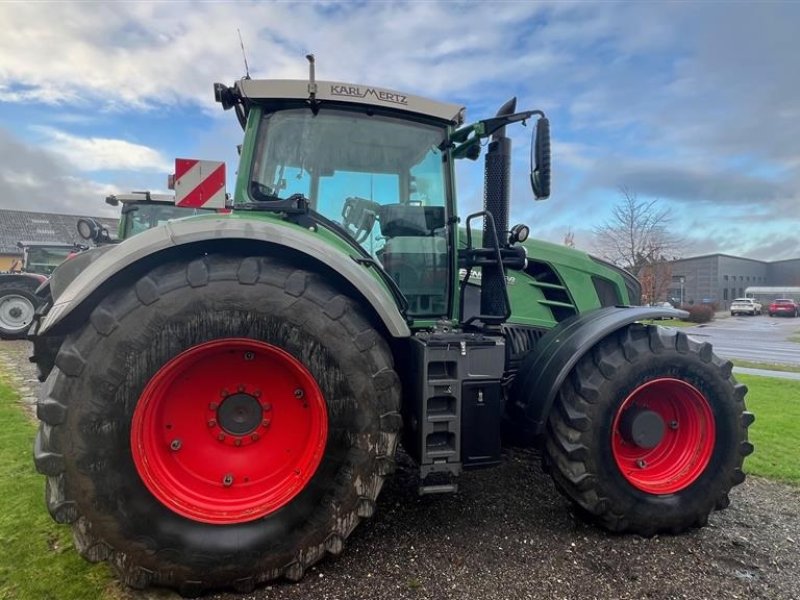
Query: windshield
{"points": [[44, 259], [381, 179], [141, 217]]}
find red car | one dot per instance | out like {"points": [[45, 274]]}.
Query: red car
{"points": [[784, 306]]}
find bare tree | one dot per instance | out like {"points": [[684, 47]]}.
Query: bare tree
{"points": [[569, 238], [637, 238]]}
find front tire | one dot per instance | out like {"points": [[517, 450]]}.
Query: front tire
{"points": [[649, 432], [159, 478]]}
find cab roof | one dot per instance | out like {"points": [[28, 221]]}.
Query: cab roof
{"points": [[334, 91]]}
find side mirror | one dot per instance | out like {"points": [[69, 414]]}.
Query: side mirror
{"points": [[540, 159]]}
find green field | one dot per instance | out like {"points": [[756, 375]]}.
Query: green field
{"points": [[37, 561], [776, 432], [749, 364]]}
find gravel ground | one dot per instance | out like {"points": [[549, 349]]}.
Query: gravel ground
{"points": [[509, 534]]}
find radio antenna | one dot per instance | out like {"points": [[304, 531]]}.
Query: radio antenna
{"points": [[244, 55]]}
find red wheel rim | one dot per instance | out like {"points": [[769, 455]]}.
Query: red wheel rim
{"points": [[684, 450], [229, 431]]}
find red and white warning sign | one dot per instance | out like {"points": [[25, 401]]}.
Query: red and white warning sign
{"points": [[199, 183]]}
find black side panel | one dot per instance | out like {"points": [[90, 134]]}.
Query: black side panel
{"points": [[545, 368], [606, 291]]}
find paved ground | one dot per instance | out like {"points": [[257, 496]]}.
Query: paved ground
{"points": [[759, 339], [508, 534]]}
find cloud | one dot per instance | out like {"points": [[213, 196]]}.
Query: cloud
{"points": [[35, 179], [103, 154]]}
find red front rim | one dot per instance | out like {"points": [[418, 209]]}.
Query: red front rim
{"points": [[683, 451], [229, 431]]}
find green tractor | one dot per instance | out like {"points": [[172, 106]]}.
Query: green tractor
{"points": [[230, 390], [18, 299]]}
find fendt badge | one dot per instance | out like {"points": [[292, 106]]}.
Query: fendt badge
{"points": [[359, 92]]}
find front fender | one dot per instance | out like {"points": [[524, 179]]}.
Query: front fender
{"points": [[205, 231], [543, 371]]}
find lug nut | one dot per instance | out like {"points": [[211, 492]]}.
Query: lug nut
{"points": [[211, 422], [227, 480], [213, 405], [641, 463], [298, 393], [237, 442], [249, 356], [254, 437], [266, 406], [240, 389], [221, 437], [257, 393], [265, 423], [175, 445], [673, 424]]}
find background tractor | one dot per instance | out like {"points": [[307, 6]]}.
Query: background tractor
{"points": [[18, 299], [230, 390]]}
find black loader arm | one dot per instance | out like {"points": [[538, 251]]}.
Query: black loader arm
{"points": [[544, 369]]}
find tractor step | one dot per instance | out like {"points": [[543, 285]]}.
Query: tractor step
{"points": [[442, 488], [455, 408]]}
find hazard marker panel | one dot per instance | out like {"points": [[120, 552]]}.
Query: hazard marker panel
{"points": [[199, 183]]}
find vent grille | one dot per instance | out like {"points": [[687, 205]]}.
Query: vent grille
{"points": [[556, 296]]}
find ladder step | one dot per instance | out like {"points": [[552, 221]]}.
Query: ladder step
{"points": [[441, 488]]}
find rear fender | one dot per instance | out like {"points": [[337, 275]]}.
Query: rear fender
{"points": [[193, 237], [545, 368]]}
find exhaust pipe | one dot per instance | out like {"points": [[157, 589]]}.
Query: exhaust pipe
{"points": [[496, 201]]}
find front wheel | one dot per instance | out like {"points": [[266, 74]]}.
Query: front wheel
{"points": [[649, 432], [17, 307], [220, 423]]}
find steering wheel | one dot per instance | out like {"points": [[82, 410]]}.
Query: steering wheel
{"points": [[358, 217]]}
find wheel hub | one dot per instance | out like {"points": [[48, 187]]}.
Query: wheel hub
{"points": [[642, 427], [240, 414], [15, 312]]}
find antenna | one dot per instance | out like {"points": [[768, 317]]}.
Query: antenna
{"points": [[244, 55]]}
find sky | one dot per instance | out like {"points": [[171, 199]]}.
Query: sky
{"points": [[693, 104]]}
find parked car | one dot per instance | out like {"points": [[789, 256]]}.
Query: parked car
{"points": [[784, 306], [745, 306]]}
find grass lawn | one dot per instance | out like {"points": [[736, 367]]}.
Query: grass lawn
{"points": [[776, 432], [748, 364], [37, 560], [670, 322]]}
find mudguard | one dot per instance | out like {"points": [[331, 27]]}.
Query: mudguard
{"points": [[544, 369], [28, 281], [197, 231]]}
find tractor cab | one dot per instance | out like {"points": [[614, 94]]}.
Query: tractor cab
{"points": [[43, 257], [143, 210], [375, 167]]}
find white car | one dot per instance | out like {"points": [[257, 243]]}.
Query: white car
{"points": [[745, 306]]}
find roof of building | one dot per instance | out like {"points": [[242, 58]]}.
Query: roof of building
{"points": [[22, 225]]}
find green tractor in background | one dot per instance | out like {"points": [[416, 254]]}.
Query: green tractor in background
{"points": [[229, 391], [18, 300]]}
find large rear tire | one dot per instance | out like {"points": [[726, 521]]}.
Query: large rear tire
{"points": [[220, 423], [17, 307], [649, 432]]}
